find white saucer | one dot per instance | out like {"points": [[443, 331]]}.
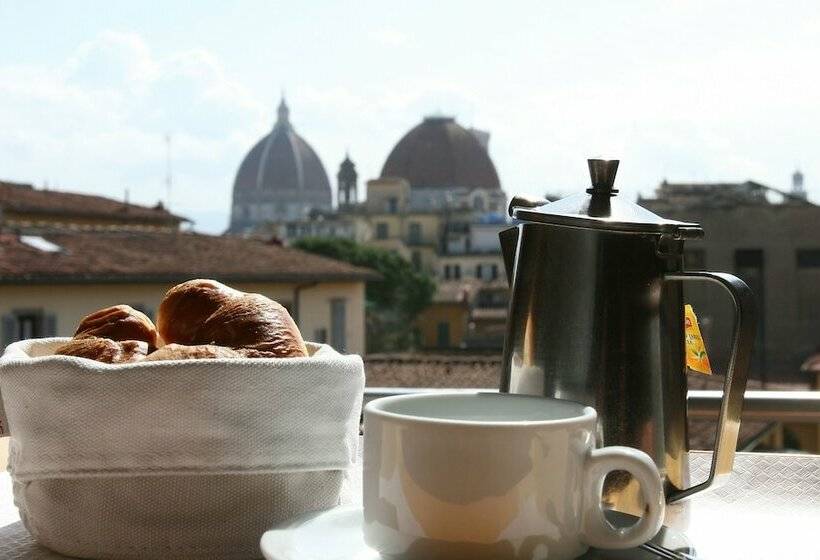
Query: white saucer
{"points": [[336, 534]]}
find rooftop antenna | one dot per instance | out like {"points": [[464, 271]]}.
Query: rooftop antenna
{"points": [[168, 175]]}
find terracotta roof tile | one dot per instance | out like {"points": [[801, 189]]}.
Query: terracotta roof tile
{"points": [[24, 198], [159, 256]]}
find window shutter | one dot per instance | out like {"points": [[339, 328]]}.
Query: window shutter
{"points": [[9, 330], [50, 325]]}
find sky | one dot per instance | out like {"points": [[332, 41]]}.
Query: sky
{"points": [[683, 91]]}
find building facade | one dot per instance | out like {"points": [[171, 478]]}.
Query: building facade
{"points": [[49, 282], [64, 255], [769, 238]]}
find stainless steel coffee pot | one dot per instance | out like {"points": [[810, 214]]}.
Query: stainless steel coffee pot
{"points": [[597, 316]]}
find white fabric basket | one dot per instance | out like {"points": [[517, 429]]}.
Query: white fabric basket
{"points": [[183, 459]]}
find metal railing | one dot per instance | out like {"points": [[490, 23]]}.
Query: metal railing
{"points": [[766, 406]]}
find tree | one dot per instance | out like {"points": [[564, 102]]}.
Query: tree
{"points": [[394, 301]]}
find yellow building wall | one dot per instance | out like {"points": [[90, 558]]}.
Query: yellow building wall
{"points": [[70, 303], [455, 314], [430, 227]]}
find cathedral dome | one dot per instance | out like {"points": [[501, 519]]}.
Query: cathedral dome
{"points": [[440, 153], [283, 174]]}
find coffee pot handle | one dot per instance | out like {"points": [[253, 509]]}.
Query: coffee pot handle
{"points": [[734, 386]]}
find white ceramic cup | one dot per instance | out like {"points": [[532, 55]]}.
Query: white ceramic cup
{"points": [[495, 476]]}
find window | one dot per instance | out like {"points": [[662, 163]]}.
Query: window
{"points": [[320, 336], [808, 279], [808, 258], [29, 326], [492, 298], [478, 203], [392, 205], [414, 233], [446, 271], [22, 324], [338, 318], [443, 335], [494, 272], [381, 230], [457, 271]]}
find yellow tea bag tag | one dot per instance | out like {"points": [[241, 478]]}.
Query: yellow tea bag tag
{"points": [[696, 358]]}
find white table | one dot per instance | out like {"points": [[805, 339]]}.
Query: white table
{"points": [[770, 508]]}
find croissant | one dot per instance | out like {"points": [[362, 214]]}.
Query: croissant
{"points": [[182, 352], [119, 322], [254, 322], [105, 349], [186, 306]]}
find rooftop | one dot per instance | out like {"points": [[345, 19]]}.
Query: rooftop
{"points": [[683, 196], [23, 198], [161, 257]]}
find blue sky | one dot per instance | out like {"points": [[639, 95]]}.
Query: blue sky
{"points": [[688, 91]]}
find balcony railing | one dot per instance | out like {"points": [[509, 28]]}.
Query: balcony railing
{"points": [[765, 406]]}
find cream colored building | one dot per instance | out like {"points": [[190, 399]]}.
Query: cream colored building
{"points": [[49, 282]]}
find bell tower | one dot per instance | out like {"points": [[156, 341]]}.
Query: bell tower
{"points": [[347, 178]]}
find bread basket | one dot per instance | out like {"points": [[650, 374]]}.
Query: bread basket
{"points": [[178, 459]]}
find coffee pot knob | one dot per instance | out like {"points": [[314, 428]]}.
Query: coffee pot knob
{"points": [[602, 173]]}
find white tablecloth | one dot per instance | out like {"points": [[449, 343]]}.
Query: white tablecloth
{"points": [[770, 508]]}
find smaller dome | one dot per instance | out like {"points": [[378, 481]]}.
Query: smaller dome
{"points": [[440, 153]]}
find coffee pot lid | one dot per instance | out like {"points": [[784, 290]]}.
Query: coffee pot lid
{"points": [[600, 208]]}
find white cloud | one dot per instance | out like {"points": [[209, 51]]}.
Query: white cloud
{"points": [[389, 37], [97, 121]]}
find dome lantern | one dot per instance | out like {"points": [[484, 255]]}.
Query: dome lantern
{"points": [[283, 113]]}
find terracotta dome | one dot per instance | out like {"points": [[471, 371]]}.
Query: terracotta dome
{"points": [[440, 153]]}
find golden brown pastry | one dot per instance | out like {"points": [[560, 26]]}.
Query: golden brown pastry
{"points": [[105, 349], [255, 322], [199, 352], [253, 353], [186, 306], [119, 322]]}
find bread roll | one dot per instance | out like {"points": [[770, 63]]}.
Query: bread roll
{"points": [[119, 322], [186, 306], [105, 349], [255, 322], [199, 352], [253, 353]]}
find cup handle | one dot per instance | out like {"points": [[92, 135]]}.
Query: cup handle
{"points": [[599, 532]]}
